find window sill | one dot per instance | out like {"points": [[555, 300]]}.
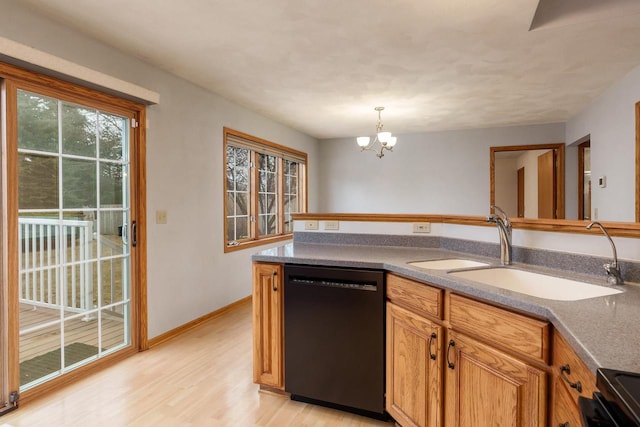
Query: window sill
{"points": [[261, 242]]}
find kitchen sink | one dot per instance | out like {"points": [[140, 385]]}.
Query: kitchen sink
{"points": [[535, 284], [448, 264]]}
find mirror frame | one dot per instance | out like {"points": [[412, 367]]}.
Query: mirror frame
{"points": [[559, 171], [638, 161]]}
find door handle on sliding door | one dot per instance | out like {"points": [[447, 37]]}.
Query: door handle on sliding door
{"points": [[134, 233]]}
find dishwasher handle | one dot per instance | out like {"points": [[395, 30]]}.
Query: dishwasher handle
{"points": [[331, 283]]}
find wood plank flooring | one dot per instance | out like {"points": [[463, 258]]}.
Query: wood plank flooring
{"points": [[201, 378]]}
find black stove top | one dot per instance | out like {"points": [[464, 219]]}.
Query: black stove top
{"points": [[630, 384], [623, 389]]}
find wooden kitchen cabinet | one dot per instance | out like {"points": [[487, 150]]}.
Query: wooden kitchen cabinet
{"points": [[414, 368], [488, 387], [519, 334], [414, 352], [571, 379], [497, 363], [490, 369], [268, 326], [564, 412], [415, 296]]}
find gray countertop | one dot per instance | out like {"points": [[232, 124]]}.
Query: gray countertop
{"points": [[604, 331]]}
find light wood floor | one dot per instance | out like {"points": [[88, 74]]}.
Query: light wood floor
{"points": [[202, 378]]}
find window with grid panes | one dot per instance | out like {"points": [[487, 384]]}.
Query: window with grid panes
{"points": [[291, 201], [237, 193], [264, 185]]}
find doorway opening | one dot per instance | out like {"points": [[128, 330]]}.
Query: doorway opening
{"points": [[584, 180]]}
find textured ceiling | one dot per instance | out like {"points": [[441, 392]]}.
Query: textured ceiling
{"points": [[321, 66]]}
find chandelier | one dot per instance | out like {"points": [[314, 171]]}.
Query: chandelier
{"points": [[384, 139]]}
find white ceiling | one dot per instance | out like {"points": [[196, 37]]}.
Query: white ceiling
{"points": [[321, 66]]}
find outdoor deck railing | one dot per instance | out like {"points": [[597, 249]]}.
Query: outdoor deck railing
{"points": [[51, 253]]}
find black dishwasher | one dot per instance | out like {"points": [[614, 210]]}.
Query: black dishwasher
{"points": [[334, 337]]}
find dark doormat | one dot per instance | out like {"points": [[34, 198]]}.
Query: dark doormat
{"points": [[45, 364]]}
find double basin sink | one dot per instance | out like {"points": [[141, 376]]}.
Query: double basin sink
{"points": [[517, 280]]}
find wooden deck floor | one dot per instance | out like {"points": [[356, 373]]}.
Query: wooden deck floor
{"points": [[76, 330]]}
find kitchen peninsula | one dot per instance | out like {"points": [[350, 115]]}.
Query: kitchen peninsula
{"points": [[547, 334]]}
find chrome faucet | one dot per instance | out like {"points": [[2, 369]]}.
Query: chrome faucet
{"points": [[504, 229], [614, 276]]}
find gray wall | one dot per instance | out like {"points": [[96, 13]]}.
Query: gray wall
{"points": [[437, 172], [610, 120], [188, 273]]}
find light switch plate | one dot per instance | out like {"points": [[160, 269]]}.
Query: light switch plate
{"points": [[422, 227], [602, 181], [332, 225], [161, 217], [311, 225]]}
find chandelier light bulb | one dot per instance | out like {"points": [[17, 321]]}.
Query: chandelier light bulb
{"points": [[363, 141], [384, 136]]}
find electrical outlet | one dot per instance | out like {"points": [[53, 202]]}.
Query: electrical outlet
{"points": [[329, 225], [161, 217], [311, 225], [422, 227], [602, 181]]}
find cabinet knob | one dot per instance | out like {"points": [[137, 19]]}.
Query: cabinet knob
{"points": [[564, 424], [566, 369], [274, 283]]}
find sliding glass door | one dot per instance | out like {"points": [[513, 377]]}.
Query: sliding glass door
{"points": [[73, 235], [72, 244]]}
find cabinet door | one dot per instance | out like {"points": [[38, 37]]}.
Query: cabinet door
{"points": [[569, 368], [414, 369], [487, 387], [564, 412], [268, 325]]}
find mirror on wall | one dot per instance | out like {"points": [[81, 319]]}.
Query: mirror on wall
{"points": [[464, 192], [513, 180], [527, 181]]}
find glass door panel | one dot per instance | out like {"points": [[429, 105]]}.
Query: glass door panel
{"points": [[74, 246]]}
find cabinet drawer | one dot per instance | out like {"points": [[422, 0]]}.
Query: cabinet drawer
{"points": [[422, 299], [522, 334], [570, 369]]}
